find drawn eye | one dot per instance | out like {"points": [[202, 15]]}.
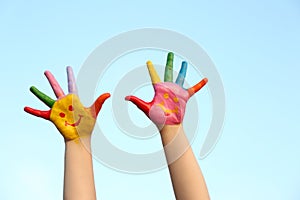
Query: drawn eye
{"points": [[62, 115], [71, 108], [175, 99]]}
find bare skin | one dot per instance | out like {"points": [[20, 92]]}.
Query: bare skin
{"points": [[187, 179], [79, 178]]}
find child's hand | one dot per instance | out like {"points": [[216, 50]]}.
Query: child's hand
{"points": [[168, 104], [67, 113]]}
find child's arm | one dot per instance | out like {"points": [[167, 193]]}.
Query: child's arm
{"points": [[167, 110], [75, 123], [79, 178], [187, 179]]}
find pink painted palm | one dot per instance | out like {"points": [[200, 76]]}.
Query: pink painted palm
{"points": [[169, 102]]}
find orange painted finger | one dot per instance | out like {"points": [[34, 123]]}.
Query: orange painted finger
{"points": [[96, 107], [197, 87]]}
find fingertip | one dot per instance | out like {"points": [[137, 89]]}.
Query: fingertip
{"points": [[47, 72], [183, 68], [170, 55], [205, 80], [106, 95], [184, 64], [26, 108], [101, 99], [32, 88], [149, 63], [128, 98], [69, 70], [170, 59]]}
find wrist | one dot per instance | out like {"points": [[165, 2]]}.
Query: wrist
{"points": [[170, 128], [169, 133], [174, 142], [83, 142]]}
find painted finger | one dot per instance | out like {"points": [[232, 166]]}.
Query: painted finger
{"points": [[54, 84], [38, 113], [197, 87], [72, 88], [182, 74], [96, 107], [142, 105], [169, 68], [152, 72], [43, 97]]}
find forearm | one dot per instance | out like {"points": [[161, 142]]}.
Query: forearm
{"points": [[187, 179], [79, 178]]}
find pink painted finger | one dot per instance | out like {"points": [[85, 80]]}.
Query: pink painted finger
{"points": [[54, 84], [71, 81], [197, 87], [144, 106], [38, 113], [96, 107]]}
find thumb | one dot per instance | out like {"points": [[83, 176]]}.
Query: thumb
{"points": [[96, 107], [142, 105]]}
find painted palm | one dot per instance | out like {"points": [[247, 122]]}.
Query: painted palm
{"points": [[169, 102], [71, 118]]}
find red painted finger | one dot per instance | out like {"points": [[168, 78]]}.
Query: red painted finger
{"points": [[197, 87], [38, 113], [144, 106], [96, 107]]}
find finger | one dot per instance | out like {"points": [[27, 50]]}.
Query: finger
{"points": [[38, 113], [197, 87], [152, 72], [54, 84], [71, 81], [169, 68], [144, 106], [96, 107], [182, 74], [43, 97]]}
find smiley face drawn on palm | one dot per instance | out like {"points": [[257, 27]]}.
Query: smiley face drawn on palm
{"points": [[71, 118], [169, 101]]}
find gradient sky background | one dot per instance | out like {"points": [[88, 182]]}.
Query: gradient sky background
{"points": [[254, 44]]}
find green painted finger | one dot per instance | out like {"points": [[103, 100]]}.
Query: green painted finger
{"points": [[169, 68], [43, 97]]}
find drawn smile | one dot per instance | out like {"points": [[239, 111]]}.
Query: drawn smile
{"points": [[74, 124], [168, 111]]}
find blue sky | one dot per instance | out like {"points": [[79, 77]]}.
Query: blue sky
{"points": [[255, 46]]}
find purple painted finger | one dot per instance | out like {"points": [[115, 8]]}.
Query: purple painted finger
{"points": [[71, 81]]}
